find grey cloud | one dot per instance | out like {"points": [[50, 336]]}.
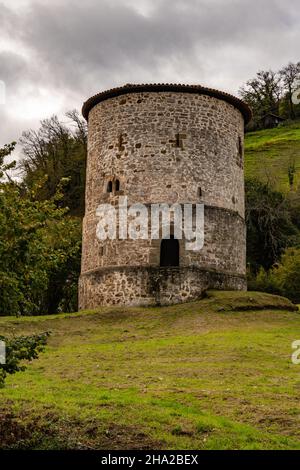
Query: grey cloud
{"points": [[112, 35], [79, 48], [7, 18], [106, 40], [15, 69]]}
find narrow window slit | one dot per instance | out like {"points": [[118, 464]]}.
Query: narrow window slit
{"points": [[109, 187]]}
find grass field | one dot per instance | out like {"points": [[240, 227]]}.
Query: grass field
{"points": [[268, 154], [212, 374]]}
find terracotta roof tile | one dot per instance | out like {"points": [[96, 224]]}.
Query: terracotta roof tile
{"points": [[171, 87]]}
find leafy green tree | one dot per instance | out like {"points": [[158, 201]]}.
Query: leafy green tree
{"points": [[40, 247], [4, 168], [63, 239], [20, 349], [270, 228]]}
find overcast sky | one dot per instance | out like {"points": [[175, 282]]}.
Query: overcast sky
{"points": [[54, 54]]}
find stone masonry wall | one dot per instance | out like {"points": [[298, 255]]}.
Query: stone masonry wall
{"points": [[164, 147], [152, 286]]}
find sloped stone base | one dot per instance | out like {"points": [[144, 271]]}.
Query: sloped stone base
{"points": [[136, 286]]}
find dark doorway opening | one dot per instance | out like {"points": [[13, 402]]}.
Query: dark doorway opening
{"points": [[169, 252]]}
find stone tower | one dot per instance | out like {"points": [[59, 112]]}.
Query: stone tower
{"points": [[164, 144]]}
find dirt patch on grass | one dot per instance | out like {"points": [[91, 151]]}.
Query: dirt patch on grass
{"points": [[17, 433], [285, 425], [53, 433], [126, 438], [11, 431]]}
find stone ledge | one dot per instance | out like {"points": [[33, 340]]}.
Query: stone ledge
{"points": [[162, 270], [208, 207]]}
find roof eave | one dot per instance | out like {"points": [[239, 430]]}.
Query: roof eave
{"points": [[161, 87]]}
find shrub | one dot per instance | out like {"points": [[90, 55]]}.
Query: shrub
{"points": [[19, 349], [282, 279], [263, 281], [286, 275]]}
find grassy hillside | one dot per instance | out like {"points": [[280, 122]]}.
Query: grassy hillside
{"points": [[212, 374], [268, 154]]}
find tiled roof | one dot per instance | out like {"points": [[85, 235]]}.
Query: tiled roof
{"points": [[171, 87]]}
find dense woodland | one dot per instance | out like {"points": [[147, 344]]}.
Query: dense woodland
{"points": [[41, 211]]}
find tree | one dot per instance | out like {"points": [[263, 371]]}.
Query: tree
{"points": [[54, 152], [5, 152], [269, 225], [262, 93], [63, 241], [40, 248], [290, 76]]}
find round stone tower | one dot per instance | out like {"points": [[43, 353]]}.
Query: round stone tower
{"points": [[172, 144]]}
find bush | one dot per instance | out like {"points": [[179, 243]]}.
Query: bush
{"points": [[282, 279], [19, 349], [263, 281], [286, 275]]}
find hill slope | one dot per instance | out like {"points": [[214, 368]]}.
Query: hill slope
{"points": [[268, 154], [203, 375]]}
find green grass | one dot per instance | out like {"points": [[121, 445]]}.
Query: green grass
{"points": [[207, 375], [268, 154]]}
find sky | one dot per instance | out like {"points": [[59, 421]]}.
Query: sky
{"points": [[54, 54]]}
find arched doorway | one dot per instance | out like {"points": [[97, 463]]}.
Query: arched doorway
{"points": [[169, 252]]}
